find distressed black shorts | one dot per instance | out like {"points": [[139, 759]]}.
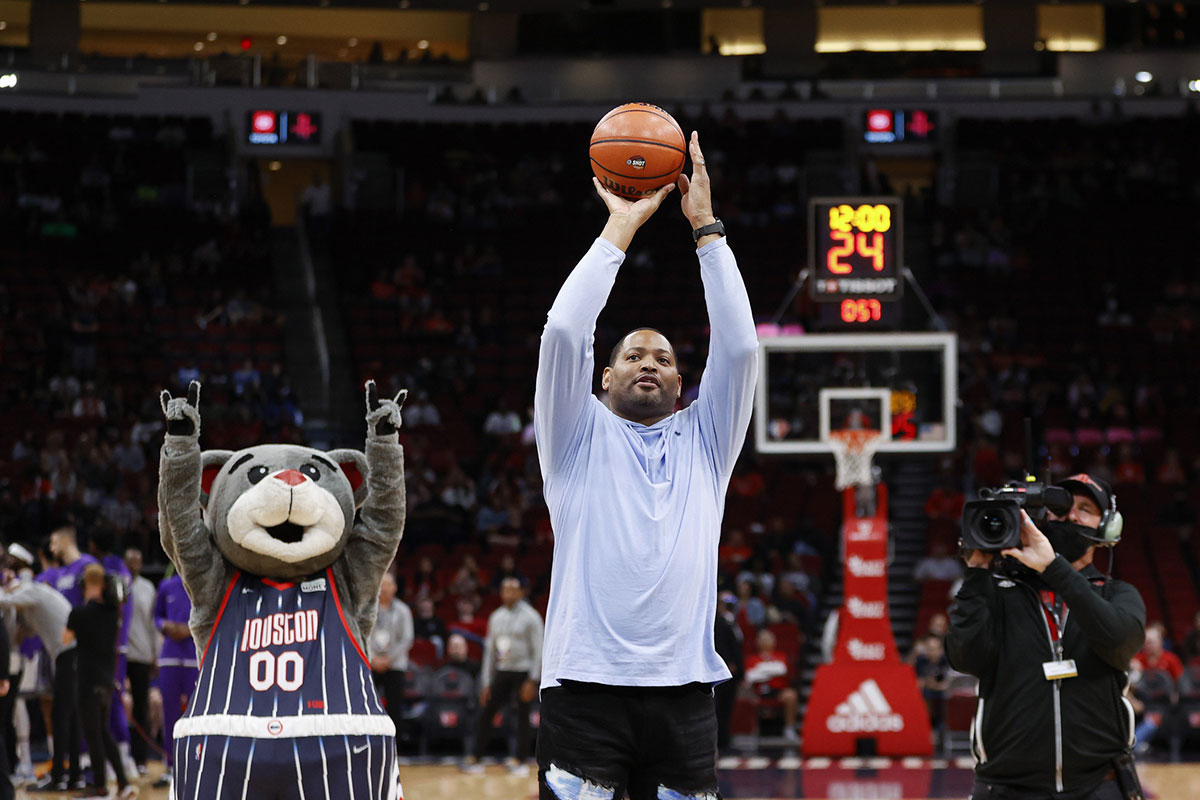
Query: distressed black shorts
{"points": [[652, 743]]}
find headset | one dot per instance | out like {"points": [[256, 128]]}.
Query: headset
{"points": [[1108, 533]]}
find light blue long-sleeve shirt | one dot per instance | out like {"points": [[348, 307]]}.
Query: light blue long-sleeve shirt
{"points": [[636, 509]]}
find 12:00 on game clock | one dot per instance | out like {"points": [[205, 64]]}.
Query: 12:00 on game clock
{"points": [[856, 248]]}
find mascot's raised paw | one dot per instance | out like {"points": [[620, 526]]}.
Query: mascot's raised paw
{"points": [[182, 413], [383, 416]]}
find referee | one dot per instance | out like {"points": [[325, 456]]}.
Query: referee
{"points": [[636, 493]]}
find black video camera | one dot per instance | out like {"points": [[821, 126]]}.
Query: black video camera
{"points": [[993, 523]]}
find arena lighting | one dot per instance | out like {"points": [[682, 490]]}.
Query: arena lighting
{"points": [[3, 24], [212, 36], [198, 46], [8, 81], [1142, 76], [281, 40], [1194, 86], [352, 42]]}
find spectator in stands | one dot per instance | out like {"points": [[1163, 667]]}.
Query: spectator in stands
{"points": [[128, 455], [143, 650], [734, 551], [467, 621], [427, 625], [933, 677], [507, 568], [458, 655], [468, 579], [512, 670], [727, 638], [750, 606], [94, 626], [425, 581], [1191, 642], [388, 647], [770, 677], [792, 606], [939, 565], [1154, 656], [502, 421]]}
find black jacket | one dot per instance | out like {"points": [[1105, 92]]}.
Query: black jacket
{"points": [[1058, 736]]}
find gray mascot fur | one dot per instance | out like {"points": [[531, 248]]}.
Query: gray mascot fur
{"points": [[283, 678]]}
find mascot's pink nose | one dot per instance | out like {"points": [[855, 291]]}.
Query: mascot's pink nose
{"points": [[291, 477]]}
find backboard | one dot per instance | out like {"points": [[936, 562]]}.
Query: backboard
{"points": [[904, 384]]}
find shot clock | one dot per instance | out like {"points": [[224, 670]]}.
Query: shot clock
{"points": [[856, 258]]}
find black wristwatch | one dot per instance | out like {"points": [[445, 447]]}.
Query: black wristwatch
{"points": [[717, 227]]}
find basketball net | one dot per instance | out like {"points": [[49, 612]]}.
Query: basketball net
{"points": [[854, 450]]}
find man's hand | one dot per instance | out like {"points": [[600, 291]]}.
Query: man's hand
{"points": [[626, 216], [176, 631], [980, 559], [528, 691], [695, 195], [4, 687], [1035, 551], [485, 694], [380, 663]]}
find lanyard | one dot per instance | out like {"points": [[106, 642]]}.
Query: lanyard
{"points": [[1056, 617]]}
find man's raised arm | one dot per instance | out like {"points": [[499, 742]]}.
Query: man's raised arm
{"points": [[727, 386], [566, 362]]}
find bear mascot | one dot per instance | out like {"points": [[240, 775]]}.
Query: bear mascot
{"points": [[284, 588]]}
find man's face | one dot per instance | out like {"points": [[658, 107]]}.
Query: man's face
{"points": [[1084, 511], [58, 541], [643, 382], [766, 642], [387, 589], [1154, 645], [510, 592], [133, 560]]}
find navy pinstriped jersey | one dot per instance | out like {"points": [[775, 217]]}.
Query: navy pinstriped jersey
{"points": [[282, 651]]}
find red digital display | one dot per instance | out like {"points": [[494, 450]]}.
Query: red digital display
{"points": [[855, 253], [861, 310]]}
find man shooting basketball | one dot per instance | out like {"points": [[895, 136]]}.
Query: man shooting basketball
{"points": [[636, 492]]}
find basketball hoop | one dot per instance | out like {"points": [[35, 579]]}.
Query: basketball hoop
{"points": [[854, 450]]}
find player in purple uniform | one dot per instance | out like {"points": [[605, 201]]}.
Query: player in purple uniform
{"points": [[65, 547], [177, 671]]}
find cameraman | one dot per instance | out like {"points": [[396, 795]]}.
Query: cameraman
{"points": [[1050, 642]]}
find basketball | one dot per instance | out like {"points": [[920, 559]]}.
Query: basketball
{"points": [[637, 148]]}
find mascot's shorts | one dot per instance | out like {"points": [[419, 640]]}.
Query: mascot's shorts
{"points": [[306, 768]]}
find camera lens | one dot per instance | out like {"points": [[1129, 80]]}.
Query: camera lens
{"points": [[991, 525]]}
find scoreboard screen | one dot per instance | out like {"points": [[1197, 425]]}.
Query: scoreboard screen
{"points": [[856, 251], [272, 126]]}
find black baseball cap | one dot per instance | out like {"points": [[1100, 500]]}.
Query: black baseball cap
{"points": [[1095, 488]]}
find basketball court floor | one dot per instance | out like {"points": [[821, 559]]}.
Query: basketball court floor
{"points": [[759, 779]]}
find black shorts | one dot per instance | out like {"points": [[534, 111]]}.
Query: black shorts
{"points": [[594, 738]]}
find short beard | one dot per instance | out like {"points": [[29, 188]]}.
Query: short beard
{"points": [[637, 404]]}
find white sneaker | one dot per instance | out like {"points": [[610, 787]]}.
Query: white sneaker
{"points": [[790, 734], [471, 767], [128, 793], [517, 768]]}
